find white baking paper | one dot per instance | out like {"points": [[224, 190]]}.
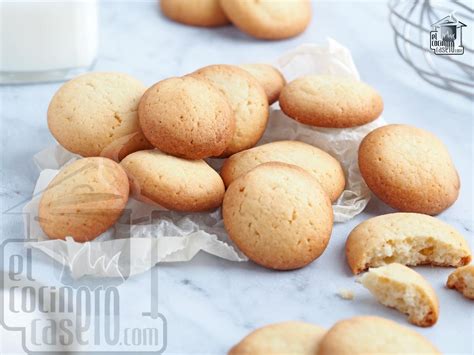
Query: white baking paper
{"points": [[148, 235]]}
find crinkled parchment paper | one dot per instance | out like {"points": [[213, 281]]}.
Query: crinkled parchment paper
{"points": [[146, 235]]}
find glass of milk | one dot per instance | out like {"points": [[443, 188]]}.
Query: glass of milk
{"points": [[49, 40]]}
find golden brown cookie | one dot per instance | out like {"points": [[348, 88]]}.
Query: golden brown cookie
{"points": [[269, 78], [409, 169], [405, 238], [186, 117], [397, 286], [462, 279], [96, 114], [204, 13], [289, 338], [330, 101], [174, 183], [373, 335], [247, 99], [278, 215], [84, 200], [321, 165], [269, 19]]}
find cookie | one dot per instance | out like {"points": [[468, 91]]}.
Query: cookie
{"points": [[409, 169], [247, 99], [278, 216], [84, 200], [269, 78], [321, 165], [203, 13], [346, 294], [269, 19], [373, 335], [462, 279], [397, 286], [174, 183], [298, 338], [405, 238], [186, 117], [330, 101], [95, 114]]}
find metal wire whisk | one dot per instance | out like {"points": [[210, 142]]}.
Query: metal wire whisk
{"points": [[412, 23]]}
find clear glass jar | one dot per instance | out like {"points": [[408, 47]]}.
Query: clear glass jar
{"points": [[46, 40]]}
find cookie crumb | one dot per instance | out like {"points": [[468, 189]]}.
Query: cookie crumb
{"points": [[346, 295]]}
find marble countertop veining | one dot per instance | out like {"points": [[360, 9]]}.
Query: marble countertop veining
{"points": [[210, 303]]}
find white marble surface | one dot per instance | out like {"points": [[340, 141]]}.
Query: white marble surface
{"points": [[209, 303]]}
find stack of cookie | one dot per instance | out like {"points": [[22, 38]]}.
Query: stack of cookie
{"points": [[277, 207], [115, 123], [264, 19], [276, 198], [216, 111]]}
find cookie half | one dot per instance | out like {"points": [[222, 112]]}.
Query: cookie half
{"points": [[373, 335], [247, 99], [203, 13], [330, 101], [462, 279], [174, 183], [278, 215], [269, 19], [95, 114], [186, 117], [281, 338], [405, 238], [409, 169], [84, 200], [327, 170], [269, 77], [402, 288]]}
